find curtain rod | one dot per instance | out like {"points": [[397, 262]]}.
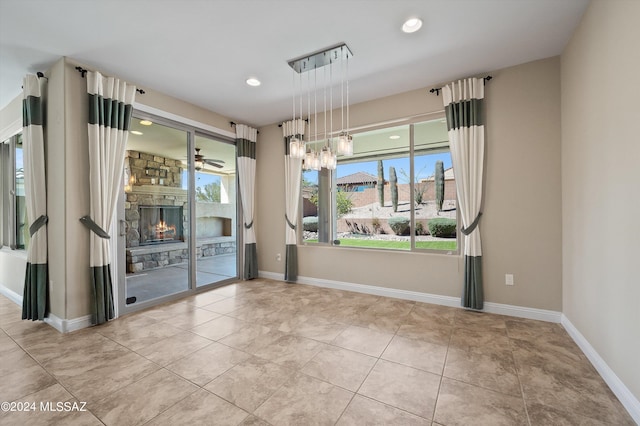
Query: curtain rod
{"points": [[39, 74], [233, 123], [306, 120], [437, 90], [84, 71]]}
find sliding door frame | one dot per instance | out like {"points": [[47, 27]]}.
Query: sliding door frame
{"points": [[192, 288]]}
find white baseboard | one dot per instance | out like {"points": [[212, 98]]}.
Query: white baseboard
{"points": [[522, 312], [494, 308], [67, 326], [628, 400], [62, 325], [271, 275], [11, 295]]}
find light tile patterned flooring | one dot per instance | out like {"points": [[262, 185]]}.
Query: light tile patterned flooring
{"points": [[265, 352]]}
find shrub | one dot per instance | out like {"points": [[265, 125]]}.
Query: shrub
{"points": [[399, 225], [310, 223], [442, 227], [343, 203]]}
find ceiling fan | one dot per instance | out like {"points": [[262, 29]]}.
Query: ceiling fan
{"points": [[200, 161]]}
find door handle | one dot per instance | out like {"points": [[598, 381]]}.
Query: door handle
{"points": [[124, 228]]}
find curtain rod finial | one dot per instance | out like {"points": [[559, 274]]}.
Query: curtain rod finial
{"points": [[81, 71]]}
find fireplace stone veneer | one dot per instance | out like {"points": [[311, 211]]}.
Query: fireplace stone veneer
{"points": [[144, 258]]}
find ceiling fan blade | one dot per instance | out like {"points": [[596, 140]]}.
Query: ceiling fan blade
{"points": [[213, 163]]}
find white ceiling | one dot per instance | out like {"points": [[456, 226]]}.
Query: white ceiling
{"points": [[202, 51]]}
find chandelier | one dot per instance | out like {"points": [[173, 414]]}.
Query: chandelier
{"points": [[323, 70]]}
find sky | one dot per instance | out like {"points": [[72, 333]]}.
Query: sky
{"points": [[424, 167], [202, 179]]}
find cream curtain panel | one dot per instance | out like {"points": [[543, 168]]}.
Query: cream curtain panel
{"points": [[110, 107], [36, 294], [464, 108], [246, 144], [292, 181]]}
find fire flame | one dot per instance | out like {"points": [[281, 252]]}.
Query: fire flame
{"points": [[164, 231]]}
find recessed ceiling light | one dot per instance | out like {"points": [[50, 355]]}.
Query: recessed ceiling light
{"points": [[146, 122], [412, 25], [136, 132], [253, 82], [394, 137]]}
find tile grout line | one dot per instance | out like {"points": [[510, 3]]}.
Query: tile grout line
{"points": [[515, 364], [53, 376], [444, 365]]}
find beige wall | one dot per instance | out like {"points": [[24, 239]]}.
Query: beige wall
{"points": [[521, 227], [600, 184], [56, 189]]}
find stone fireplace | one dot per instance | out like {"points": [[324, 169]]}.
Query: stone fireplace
{"points": [[156, 212]]}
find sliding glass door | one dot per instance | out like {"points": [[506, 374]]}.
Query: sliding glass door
{"points": [[216, 207], [178, 213]]}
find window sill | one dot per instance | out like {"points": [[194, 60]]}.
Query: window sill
{"points": [[21, 254], [382, 250]]}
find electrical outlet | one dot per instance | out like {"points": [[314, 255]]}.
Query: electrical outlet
{"points": [[508, 279], [279, 257]]}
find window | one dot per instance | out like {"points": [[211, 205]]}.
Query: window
{"points": [[396, 192], [14, 231]]}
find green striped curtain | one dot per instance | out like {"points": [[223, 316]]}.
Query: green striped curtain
{"points": [[110, 107], [464, 108], [292, 180], [35, 297], [246, 143]]}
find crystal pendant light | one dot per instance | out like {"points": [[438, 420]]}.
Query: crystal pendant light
{"points": [[345, 144], [296, 147], [325, 156], [332, 163], [315, 163], [340, 144]]}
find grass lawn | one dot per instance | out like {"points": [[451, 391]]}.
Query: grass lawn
{"points": [[398, 245]]}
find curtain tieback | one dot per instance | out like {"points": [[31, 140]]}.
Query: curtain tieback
{"points": [[469, 229], [249, 225], [37, 224], [291, 225], [92, 226]]}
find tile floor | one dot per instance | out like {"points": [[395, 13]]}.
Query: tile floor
{"points": [[265, 352]]}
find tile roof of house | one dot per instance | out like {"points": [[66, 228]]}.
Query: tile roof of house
{"points": [[356, 178]]}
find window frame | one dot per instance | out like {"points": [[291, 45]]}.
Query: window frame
{"points": [[8, 188], [333, 188]]}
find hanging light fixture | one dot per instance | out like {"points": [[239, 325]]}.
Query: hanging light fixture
{"points": [[296, 146], [198, 160], [345, 141], [315, 157]]}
